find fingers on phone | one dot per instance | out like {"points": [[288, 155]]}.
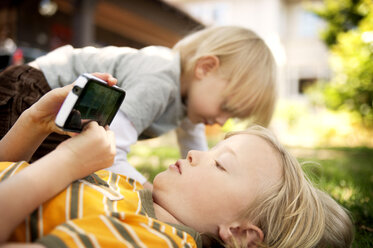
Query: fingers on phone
{"points": [[111, 138], [106, 77], [88, 123]]}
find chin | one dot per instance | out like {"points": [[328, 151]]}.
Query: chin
{"points": [[160, 180]]}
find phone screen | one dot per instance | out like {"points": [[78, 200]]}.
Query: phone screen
{"points": [[98, 102]]}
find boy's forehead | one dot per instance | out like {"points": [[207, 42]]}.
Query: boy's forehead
{"points": [[252, 148], [246, 139]]}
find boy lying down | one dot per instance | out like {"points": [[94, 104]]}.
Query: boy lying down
{"points": [[247, 191]]}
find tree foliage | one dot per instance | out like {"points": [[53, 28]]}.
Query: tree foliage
{"points": [[340, 16], [349, 36]]}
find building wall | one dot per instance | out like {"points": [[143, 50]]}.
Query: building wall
{"points": [[92, 22], [290, 31]]}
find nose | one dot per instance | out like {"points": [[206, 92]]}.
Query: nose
{"points": [[221, 119], [192, 157]]}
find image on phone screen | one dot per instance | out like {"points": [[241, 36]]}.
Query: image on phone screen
{"points": [[96, 102]]}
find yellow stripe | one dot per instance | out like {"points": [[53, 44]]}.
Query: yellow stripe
{"points": [[5, 165], [13, 168], [103, 191], [134, 235], [73, 235], [156, 233], [91, 237], [114, 232], [93, 222]]}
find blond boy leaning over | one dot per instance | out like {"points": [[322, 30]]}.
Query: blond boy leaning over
{"points": [[209, 76]]}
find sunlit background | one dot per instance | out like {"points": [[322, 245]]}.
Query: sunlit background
{"points": [[324, 55]]}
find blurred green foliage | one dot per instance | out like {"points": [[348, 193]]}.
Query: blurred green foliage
{"points": [[349, 35], [340, 16]]}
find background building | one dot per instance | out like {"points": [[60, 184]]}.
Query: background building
{"points": [[38, 26], [287, 26]]}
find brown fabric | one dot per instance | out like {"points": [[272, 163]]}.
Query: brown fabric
{"points": [[20, 87]]}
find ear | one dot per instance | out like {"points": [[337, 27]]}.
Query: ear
{"points": [[247, 234], [205, 65]]}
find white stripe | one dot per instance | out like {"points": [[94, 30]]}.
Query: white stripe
{"points": [[104, 192], [184, 239], [89, 235], [138, 203], [94, 241], [40, 222], [106, 208], [115, 206], [163, 228], [117, 184], [114, 231], [156, 233], [6, 170], [134, 185], [67, 203], [80, 201], [109, 178], [73, 235], [114, 187], [14, 171], [173, 230], [134, 235], [118, 190]]}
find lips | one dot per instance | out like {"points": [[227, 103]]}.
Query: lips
{"points": [[176, 167], [208, 122]]}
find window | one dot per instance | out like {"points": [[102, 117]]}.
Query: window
{"points": [[305, 83]]}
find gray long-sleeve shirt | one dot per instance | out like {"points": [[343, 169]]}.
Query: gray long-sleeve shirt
{"points": [[150, 77]]}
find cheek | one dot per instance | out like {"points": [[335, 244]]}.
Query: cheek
{"points": [[207, 192], [209, 207], [205, 108]]}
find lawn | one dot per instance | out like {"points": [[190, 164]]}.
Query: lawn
{"points": [[345, 173]]}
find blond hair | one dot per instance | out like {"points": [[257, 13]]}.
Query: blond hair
{"points": [[293, 213], [245, 61]]}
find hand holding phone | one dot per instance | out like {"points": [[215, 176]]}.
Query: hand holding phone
{"points": [[90, 99], [92, 150]]}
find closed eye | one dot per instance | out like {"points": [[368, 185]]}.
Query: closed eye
{"points": [[219, 166]]}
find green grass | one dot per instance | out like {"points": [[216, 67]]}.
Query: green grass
{"points": [[345, 173]]}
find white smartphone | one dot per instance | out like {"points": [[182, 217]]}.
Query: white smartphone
{"points": [[90, 99]]}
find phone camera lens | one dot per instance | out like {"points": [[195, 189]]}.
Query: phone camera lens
{"points": [[76, 90]]}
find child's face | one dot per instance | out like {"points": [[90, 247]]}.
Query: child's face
{"points": [[205, 100], [210, 188]]}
